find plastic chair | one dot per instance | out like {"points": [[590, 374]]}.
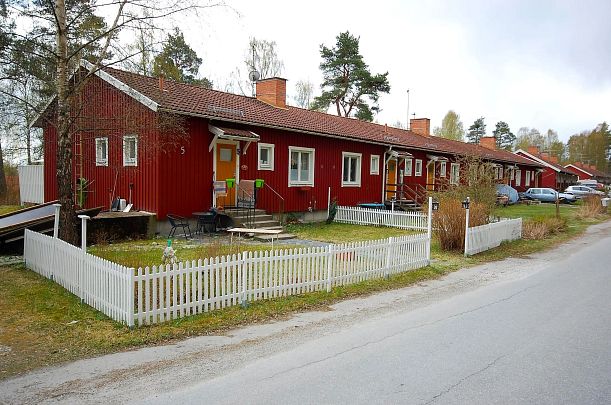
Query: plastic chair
{"points": [[179, 222]]}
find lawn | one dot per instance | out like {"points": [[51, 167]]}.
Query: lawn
{"points": [[535, 210], [43, 324], [5, 209]]}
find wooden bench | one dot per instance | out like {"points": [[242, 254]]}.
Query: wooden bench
{"points": [[239, 231]]}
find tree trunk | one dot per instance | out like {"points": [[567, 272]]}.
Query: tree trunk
{"points": [[3, 188], [67, 230]]}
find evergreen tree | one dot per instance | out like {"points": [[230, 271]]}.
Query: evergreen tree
{"points": [[503, 136], [347, 81], [178, 61], [476, 131]]}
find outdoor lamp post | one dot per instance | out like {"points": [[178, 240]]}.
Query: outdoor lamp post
{"points": [[466, 204], [435, 205]]}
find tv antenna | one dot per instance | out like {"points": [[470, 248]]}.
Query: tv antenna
{"points": [[254, 75]]}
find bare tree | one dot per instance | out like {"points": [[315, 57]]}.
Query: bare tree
{"points": [[260, 56], [305, 92], [61, 20]]}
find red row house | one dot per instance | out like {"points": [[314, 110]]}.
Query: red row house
{"points": [[554, 175], [169, 147], [589, 172]]}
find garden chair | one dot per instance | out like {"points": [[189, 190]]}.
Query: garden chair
{"points": [[179, 222]]}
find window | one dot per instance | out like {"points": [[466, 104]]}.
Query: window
{"points": [[442, 169], [527, 181], [301, 166], [418, 167], [513, 173], [374, 165], [500, 172], [266, 156], [454, 173], [408, 167], [101, 151], [518, 177], [351, 169], [130, 150]]}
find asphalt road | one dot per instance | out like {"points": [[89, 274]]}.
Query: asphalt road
{"points": [[522, 330], [540, 339]]}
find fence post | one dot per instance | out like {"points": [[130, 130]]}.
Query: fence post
{"points": [[329, 268], [388, 256], [243, 268], [84, 219], [429, 230], [467, 225], [56, 223], [132, 296]]}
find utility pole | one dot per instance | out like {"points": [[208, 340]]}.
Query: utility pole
{"points": [[407, 124]]}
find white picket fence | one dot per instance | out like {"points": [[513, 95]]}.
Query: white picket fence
{"points": [[104, 285], [161, 293], [378, 217], [484, 237], [31, 184]]}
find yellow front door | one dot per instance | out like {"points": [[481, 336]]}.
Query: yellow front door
{"points": [[226, 169], [430, 176], [391, 178]]}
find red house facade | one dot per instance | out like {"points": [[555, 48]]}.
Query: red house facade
{"points": [[588, 172], [553, 174], [169, 147]]}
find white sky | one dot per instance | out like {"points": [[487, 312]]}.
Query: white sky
{"points": [[543, 64]]}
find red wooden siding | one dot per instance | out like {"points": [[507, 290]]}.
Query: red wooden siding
{"points": [[107, 112]]}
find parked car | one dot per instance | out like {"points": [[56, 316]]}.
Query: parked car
{"points": [[582, 191], [547, 195]]}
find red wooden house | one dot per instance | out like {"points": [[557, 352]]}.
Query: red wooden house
{"points": [[588, 172], [554, 175], [162, 145]]}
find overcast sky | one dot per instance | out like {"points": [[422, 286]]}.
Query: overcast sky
{"points": [[542, 64]]}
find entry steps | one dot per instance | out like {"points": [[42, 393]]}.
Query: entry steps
{"points": [[257, 218]]}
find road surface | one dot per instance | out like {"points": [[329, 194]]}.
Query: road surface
{"points": [[528, 330]]}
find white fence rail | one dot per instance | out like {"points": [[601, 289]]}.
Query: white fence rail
{"points": [[161, 293], [106, 286], [31, 184], [377, 217], [484, 237]]}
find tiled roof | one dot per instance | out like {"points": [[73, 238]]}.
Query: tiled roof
{"points": [[556, 166], [195, 100], [593, 172]]}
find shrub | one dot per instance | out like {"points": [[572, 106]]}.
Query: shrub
{"points": [[449, 221], [591, 207], [543, 226]]}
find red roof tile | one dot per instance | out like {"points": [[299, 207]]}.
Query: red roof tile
{"points": [[195, 100]]}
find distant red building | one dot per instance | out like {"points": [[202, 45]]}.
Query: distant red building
{"points": [[587, 172], [553, 175]]}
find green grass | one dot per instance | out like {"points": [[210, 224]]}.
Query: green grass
{"points": [[38, 315], [5, 209], [341, 233], [530, 211], [142, 253]]}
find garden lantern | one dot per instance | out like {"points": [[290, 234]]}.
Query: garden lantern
{"points": [[466, 203], [435, 205]]}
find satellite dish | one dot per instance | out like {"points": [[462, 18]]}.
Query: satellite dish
{"points": [[254, 76]]}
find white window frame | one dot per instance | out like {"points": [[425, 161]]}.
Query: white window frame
{"points": [[527, 181], [418, 168], [374, 168], [408, 167], [512, 174], [518, 177], [299, 183], [270, 147], [454, 177], [442, 169], [127, 161], [99, 161], [359, 160]]}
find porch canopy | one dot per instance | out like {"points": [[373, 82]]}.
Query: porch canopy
{"points": [[232, 134], [436, 158]]}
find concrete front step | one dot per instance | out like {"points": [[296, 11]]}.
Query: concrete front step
{"points": [[263, 217]]}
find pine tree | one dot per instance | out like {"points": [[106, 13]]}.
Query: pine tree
{"points": [[476, 131]]}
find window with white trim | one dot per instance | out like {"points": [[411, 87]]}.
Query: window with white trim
{"points": [[512, 173], [374, 165], [266, 156], [408, 167], [418, 168], [527, 181], [101, 151], [442, 169], [351, 169], [301, 166], [454, 173], [130, 150], [518, 177]]}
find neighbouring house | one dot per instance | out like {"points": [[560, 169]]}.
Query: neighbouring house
{"points": [[170, 147], [588, 172], [554, 175]]}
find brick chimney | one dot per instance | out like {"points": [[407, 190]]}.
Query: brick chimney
{"points": [[553, 159], [545, 155], [488, 142], [420, 126], [533, 150], [272, 91], [593, 167]]}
